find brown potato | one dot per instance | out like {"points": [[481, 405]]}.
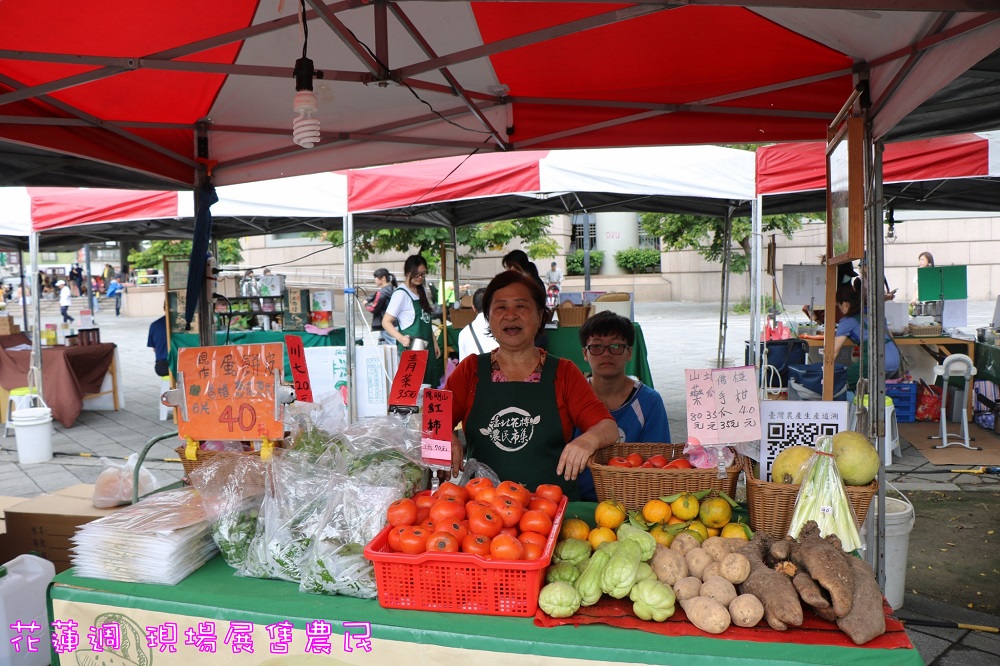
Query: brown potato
{"points": [[713, 569], [687, 588], [735, 568], [746, 610], [683, 543], [707, 614], [668, 565], [697, 560], [717, 547], [720, 589]]}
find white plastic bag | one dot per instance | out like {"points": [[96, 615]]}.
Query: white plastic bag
{"points": [[114, 485]]}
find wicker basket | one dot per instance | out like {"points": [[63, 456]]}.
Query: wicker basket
{"points": [[573, 315], [461, 317], [634, 486], [771, 504], [202, 457], [926, 330], [613, 296]]}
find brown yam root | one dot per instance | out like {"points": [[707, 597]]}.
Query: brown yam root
{"points": [[775, 590], [779, 551], [810, 591], [827, 566], [866, 619]]}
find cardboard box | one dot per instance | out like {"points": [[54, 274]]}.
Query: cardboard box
{"points": [[6, 549], [45, 524]]}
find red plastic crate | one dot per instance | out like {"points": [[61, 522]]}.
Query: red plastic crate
{"points": [[460, 582]]}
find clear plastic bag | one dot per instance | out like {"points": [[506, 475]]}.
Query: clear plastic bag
{"points": [[354, 515], [114, 485], [823, 499], [708, 457], [231, 486]]}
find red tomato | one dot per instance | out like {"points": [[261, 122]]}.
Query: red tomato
{"points": [[413, 540], [533, 537], [476, 544], [428, 525], [635, 459], [515, 491], [618, 461], [472, 505], [458, 528], [532, 551], [509, 510], [486, 494], [475, 484], [485, 522], [648, 465], [680, 463], [550, 491], [394, 537], [447, 508], [658, 460], [511, 531], [536, 521], [424, 499], [402, 512], [506, 547], [449, 489], [442, 542], [546, 506], [422, 515]]}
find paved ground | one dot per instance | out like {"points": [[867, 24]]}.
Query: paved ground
{"points": [[678, 335]]}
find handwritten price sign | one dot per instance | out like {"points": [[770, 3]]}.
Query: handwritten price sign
{"points": [[435, 440], [300, 371], [409, 376], [229, 392], [722, 405]]}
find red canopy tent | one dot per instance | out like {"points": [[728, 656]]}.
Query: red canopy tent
{"points": [[152, 87], [943, 173]]}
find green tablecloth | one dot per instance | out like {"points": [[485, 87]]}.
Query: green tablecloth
{"points": [[565, 343], [987, 362], [214, 593], [334, 339]]}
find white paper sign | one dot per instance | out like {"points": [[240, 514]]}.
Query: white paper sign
{"points": [[722, 405], [787, 423]]}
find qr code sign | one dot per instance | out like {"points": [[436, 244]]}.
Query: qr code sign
{"points": [[796, 423]]}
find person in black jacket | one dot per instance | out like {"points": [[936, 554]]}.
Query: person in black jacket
{"points": [[379, 301]]}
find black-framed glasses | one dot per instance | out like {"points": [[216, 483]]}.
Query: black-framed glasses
{"points": [[616, 349], [420, 275]]}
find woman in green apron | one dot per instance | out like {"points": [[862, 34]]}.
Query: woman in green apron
{"points": [[408, 317], [518, 404]]}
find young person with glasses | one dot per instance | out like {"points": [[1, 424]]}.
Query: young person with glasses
{"points": [[409, 316], [607, 340]]}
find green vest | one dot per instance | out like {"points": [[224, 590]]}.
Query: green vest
{"points": [[421, 328], [514, 427]]}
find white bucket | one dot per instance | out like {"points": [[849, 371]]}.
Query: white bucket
{"points": [[22, 597], [33, 431], [899, 520]]}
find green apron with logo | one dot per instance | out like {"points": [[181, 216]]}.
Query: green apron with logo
{"points": [[421, 328], [514, 427]]}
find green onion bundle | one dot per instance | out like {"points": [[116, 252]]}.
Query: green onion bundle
{"points": [[822, 498]]}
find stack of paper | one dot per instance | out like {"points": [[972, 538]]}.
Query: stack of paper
{"points": [[162, 539]]}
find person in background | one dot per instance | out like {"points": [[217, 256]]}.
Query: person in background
{"points": [[76, 277], [65, 300], [519, 405], [115, 291], [248, 284], [852, 328], [476, 337], [377, 303], [517, 260], [157, 340], [924, 260], [408, 315], [106, 275], [607, 340], [554, 277]]}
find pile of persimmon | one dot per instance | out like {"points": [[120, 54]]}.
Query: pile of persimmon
{"points": [[502, 522], [658, 460]]}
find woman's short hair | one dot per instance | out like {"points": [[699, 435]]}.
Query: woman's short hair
{"points": [[607, 324], [509, 278]]}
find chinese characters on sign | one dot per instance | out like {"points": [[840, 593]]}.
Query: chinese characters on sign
{"points": [[787, 423], [202, 637], [409, 375], [722, 405], [300, 371], [435, 439], [229, 392]]}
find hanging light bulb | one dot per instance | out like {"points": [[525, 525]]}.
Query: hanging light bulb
{"points": [[890, 232], [305, 128]]}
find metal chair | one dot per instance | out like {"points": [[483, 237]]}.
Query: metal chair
{"points": [[956, 365]]}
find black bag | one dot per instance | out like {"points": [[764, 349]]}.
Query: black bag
{"points": [[378, 309], [781, 354], [806, 382]]}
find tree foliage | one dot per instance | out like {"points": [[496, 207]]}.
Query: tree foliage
{"points": [[473, 240], [574, 262], [151, 255]]}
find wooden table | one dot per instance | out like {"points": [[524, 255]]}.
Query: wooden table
{"points": [[946, 347]]}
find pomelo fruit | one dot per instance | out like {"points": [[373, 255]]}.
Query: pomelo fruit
{"points": [[790, 465], [857, 460]]}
